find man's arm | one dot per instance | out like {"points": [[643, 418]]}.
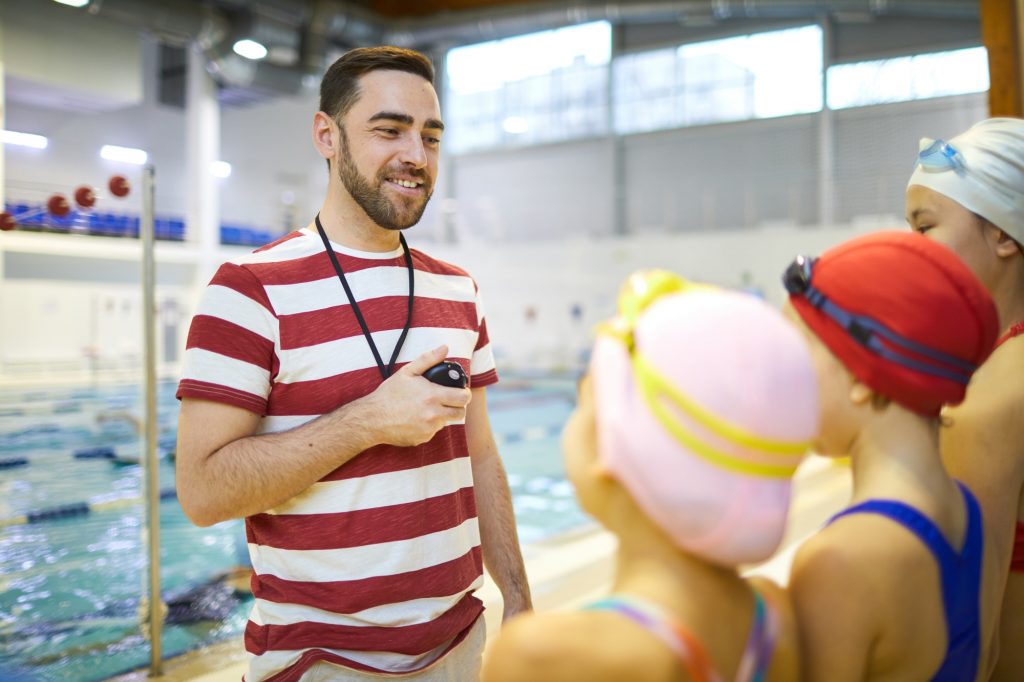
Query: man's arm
{"points": [[225, 472], [498, 538]]}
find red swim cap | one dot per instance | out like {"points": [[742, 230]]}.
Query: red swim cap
{"points": [[915, 288]]}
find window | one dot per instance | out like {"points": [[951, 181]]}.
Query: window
{"points": [[775, 73], [539, 87], [901, 79]]}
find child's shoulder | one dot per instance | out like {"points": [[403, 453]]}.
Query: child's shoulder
{"points": [[864, 552], [575, 646]]}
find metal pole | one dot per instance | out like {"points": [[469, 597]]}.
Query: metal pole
{"points": [[146, 234], [826, 133]]}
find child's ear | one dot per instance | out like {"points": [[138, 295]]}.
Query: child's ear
{"points": [[860, 394], [1006, 246]]}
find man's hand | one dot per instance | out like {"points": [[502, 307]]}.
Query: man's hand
{"points": [[408, 410]]}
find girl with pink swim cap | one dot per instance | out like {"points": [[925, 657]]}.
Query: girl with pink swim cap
{"points": [[698, 406]]}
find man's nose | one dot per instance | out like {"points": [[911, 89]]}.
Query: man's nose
{"points": [[413, 151]]}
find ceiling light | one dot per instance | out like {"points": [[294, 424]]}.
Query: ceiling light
{"points": [[112, 152], [221, 169], [73, 3], [25, 139], [249, 49]]}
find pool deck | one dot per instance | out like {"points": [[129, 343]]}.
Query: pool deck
{"points": [[567, 571]]}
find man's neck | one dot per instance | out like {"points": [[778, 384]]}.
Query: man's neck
{"points": [[347, 224]]}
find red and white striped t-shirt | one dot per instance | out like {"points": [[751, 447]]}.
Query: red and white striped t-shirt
{"points": [[373, 567]]}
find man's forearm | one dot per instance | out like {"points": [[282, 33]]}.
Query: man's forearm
{"points": [[252, 474], [498, 537]]}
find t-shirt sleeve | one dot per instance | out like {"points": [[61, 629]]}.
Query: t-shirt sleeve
{"points": [[482, 371], [230, 353]]}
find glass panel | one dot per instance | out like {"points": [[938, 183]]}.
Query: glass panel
{"points": [[540, 87], [901, 79], [776, 73]]}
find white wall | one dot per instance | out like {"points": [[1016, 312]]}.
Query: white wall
{"points": [[546, 192], [876, 148], [70, 329], [552, 276]]}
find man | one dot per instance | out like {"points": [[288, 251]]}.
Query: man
{"points": [[969, 195], [371, 495]]}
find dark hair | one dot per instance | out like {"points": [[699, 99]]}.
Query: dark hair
{"points": [[339, 88]]}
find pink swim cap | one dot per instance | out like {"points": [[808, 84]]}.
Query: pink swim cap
{"points": [[704, 421]]}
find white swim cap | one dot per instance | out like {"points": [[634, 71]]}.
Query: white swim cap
{"points": [[982, 170]]}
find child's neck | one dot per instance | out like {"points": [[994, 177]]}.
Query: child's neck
{"points": [[896, 455], [650, 566]]}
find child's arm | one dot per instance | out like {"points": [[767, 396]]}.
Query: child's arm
{"points": [[576, 647], [834, 611], [785, 662], [537, 647]]}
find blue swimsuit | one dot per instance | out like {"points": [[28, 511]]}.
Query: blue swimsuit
{"points": [[960, 573]]}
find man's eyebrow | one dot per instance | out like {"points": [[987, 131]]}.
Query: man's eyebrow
{"points": [[392, 116], [406, 119]]}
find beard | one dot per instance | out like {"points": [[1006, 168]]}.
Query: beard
{"points": [[391, 214]]}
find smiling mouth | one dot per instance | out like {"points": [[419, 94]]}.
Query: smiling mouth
{"points": [[406, 184]]}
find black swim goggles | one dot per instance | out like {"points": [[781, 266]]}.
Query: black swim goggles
{"points": [[872, 334]]}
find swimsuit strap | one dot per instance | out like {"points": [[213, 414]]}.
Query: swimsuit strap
{"points": [[959, 574], [678, 638], [757, 654], [1015, 330], [1017, 559]]}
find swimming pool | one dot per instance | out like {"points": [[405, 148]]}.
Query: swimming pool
{"points": [[70, 585]]}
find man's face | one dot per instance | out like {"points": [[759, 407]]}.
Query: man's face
{"points": [[388, 153]]}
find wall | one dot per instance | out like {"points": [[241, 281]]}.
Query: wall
{"points": [[553, 276], [875, 149]]}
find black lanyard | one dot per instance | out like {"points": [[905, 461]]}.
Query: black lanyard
{"points": [[385, 372]]}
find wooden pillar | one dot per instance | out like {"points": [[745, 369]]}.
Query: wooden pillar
{"points": [[1002, 31]]}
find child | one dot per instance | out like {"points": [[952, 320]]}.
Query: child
{"points": [[968, 194], [697, 409], [889, 590]]}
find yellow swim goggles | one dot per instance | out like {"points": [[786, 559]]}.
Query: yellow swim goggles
{"points": [[639, 291]]}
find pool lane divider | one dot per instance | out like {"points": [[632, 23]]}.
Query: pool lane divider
{"points": [[100, 452], [166, 446], [529, 434], [74, 509]]}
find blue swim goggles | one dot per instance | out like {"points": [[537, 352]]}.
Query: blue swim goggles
{"points": [[870, 333], [940, 155]]}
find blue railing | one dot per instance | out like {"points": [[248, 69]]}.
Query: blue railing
{"points": [[33, 218]]}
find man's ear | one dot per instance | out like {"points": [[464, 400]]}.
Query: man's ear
{"points": [[325, 135]]}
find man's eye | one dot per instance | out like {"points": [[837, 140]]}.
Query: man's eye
{"points": [[387, 131], [432, 141], [921, 229]]}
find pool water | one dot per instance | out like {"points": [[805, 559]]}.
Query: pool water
{"points": [[70, 587]]}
